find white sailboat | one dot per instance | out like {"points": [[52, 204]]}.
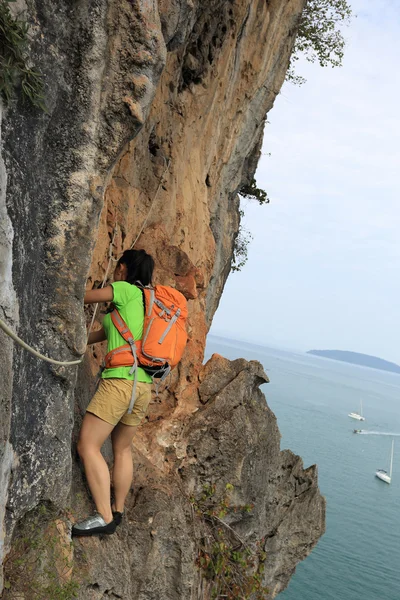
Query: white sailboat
{"points": [[382, 474], [357, 416]]}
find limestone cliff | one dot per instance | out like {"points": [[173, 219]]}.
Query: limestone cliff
{"points": [[155, 117]]}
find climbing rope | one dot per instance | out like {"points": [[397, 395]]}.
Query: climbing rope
{"points": [[166, 162], [110, 259], [13, 336], [110, 256], [26, 346]]}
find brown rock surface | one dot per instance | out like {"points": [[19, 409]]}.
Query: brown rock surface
{"points": [[156, 117]]}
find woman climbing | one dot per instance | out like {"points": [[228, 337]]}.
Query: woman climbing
{"points": [[107, 412]]}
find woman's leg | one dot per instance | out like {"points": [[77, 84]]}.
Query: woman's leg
{"points": [[94, 433], [122, 473]]}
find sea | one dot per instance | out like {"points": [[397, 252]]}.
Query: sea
{"points": [[358, 558]]}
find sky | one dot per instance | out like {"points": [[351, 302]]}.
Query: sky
{"points": [[323, 265]]}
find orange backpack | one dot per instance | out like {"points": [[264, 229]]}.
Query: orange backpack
{"points": [[164, 335]]}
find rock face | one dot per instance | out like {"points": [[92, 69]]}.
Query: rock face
{"points": [[232, 439], [155, 120]]}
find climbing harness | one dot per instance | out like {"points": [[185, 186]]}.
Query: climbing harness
{"points": [[67, 363]]}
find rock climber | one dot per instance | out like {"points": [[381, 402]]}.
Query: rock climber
{"points": [[107, 412]]}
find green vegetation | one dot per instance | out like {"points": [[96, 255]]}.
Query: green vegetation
{"points": [[234, 570], [253, 192], [320, 38], [240, 248], [39, 565], [15, 71], [249, 191]]}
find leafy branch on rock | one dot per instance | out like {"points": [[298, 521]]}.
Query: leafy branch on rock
{"points": [[319, 37], [240, 249], [253, 192], [15, 71], [234, 570]]}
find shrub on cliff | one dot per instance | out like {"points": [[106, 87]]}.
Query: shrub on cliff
{"points": [[240, 248], [234, 570], [319, 36], [253, 192], [14, 59]]}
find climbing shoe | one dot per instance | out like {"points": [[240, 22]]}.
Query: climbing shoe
{"points": [[93, 525], [117, 517]]}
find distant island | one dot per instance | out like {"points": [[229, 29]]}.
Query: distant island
{"points": [[356, 358]]}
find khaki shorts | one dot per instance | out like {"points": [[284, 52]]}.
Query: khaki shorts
{"points": [[111, 401]]}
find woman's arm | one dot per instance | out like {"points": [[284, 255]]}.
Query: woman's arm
{"points": [[105, 294], [97, 336]]}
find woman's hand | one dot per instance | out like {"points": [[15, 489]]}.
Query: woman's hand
{"points": [[97, 336], [105, 294]]}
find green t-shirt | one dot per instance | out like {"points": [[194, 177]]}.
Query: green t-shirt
{"points": [[128, 300]]}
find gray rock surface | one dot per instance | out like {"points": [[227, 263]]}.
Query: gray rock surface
{"points": [[233, 438], [8, 312], [57, 168]]}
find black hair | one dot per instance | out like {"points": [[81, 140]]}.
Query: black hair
{"points": [[140, 266]]}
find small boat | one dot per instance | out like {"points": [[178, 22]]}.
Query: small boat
{"points": [[357, 416], [382, 474], [357, 430]]}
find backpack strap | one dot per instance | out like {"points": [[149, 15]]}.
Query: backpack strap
{"points": [[126, 333], [121, 326]]}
